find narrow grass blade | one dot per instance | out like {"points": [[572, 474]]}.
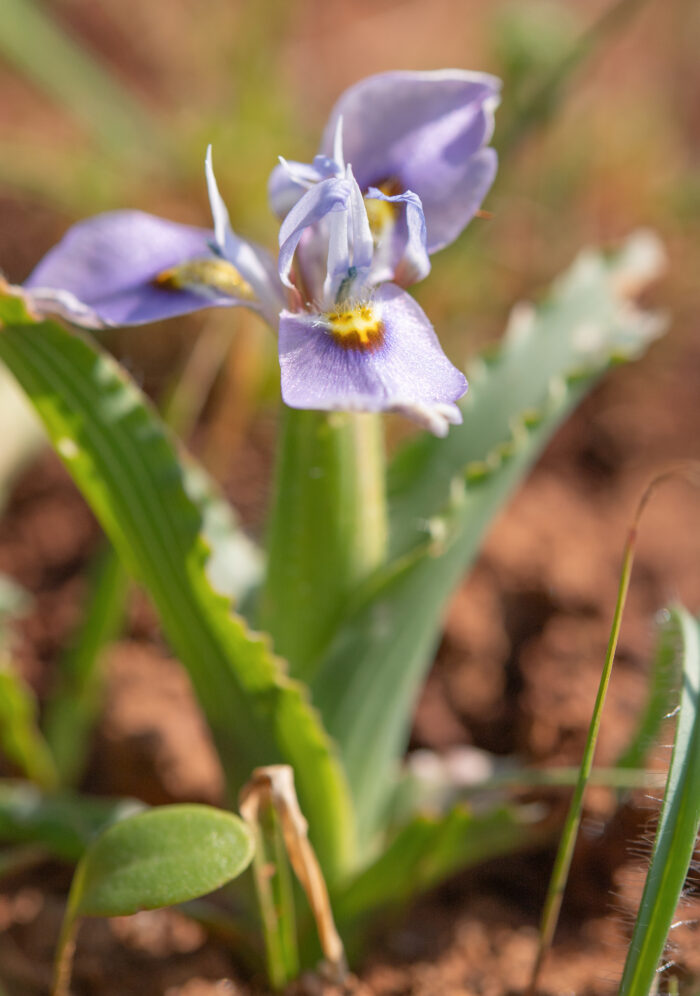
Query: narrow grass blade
{"points": [[72, 709], [690, 471], [679, 821], [664, 680]]}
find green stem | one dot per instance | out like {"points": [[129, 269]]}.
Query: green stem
{"points": [[555, 893], [63, 966], [275, 892], [327, 529]]}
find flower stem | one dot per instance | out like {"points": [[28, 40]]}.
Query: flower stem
{"points": [[327, 530]]}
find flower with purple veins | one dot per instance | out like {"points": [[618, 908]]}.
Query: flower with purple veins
{"points": [[352, 237], [355, 342], [427, 132], [130, 268]]}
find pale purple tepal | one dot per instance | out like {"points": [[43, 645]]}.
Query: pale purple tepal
{"points": [[403, 166]]}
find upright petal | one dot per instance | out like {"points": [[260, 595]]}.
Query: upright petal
{"points": [[254, 263], [401, 254], [422, 129], [290, 180], [321, 200], [383, 356], [106, 270]]}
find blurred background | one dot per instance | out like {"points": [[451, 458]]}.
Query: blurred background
{"points": [[111, 103]]}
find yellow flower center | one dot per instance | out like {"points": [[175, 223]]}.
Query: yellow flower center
{"points": [[206, 276], [382, 214], [356, 328]]}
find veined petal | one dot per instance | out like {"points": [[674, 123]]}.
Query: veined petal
{"points": [[105, 271], [290, 180], [421, 129], [451, 209], [316, 204], [254, 263], [402, 253], [381, 356]]}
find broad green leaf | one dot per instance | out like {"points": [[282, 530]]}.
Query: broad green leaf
{"points": [[123, 459], [36, 44], [446, 492], [73, 707], [678, 824], [584, 324], [21, 740], [158, 858], [327, 527], [64, 824], [430, 848]]}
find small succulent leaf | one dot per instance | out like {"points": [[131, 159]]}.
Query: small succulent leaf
{"points": [[679, 822], [127, 466], [158, 858]]}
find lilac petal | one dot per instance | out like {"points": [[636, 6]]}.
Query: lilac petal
{"points": [[318, 202], [450, 215], [406, 257], [108, 263], [254, 263], [421, 129], [290, 180], [408, 372], [362, 241]]}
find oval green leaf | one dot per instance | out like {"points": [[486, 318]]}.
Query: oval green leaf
{"points": [[158, 858]]}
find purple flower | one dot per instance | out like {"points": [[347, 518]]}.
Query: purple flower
{"points": [[352, 345], [425, 132], [131, 268], [403, 166]]}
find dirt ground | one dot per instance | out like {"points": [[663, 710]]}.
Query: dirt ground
{"points": [[516, 675]]}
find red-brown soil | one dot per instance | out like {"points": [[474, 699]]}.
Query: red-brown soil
{"points": [[516, 675]]}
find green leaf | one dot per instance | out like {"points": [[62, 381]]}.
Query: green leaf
{"points": [[678, 824], [73, 707], [663, 694], [123, 459], [327, 527], [158, 858], [430, 848], [444, 494], [63, 824], [549, 357], [20, 738]]}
